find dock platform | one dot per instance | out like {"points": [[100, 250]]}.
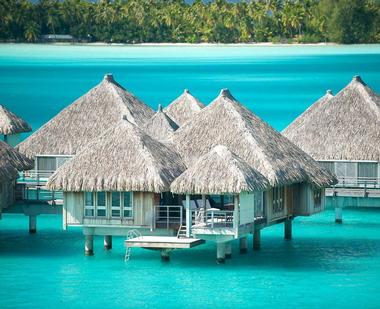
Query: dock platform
{"points": [[163, 242]]}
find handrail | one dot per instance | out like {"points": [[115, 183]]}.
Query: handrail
{"points": [[37, 193], [33, 176], [215, 218], [360, 182]]}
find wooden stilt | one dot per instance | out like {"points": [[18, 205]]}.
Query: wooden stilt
{"points": [[32, 224], [229, 250], [288, 229], [89, 245], [107, 242], [243, 245], [257, 239], [220, 252], [338, 215], [165, 255]]}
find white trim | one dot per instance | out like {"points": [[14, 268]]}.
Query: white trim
{"points": [[50, 156], [348, 161]]}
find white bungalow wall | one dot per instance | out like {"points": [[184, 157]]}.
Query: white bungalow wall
{"points": [[271, 215], [305, 205], [247, 208], [73, 207], [73, 211]]}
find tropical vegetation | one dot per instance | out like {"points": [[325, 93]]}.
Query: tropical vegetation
{"points": [[137, 21]]}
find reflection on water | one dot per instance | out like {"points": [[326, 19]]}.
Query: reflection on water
{"points": [[339, 262]]}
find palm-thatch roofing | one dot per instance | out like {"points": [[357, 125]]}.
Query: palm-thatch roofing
{"points": [[12, 161], [345, 127], [124, 158], [226, 122], [160, 126], [10, 123], [218, 172], [183, 108], [85, 119]]}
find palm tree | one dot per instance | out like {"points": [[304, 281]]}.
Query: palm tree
{"points": [[32, 32]]}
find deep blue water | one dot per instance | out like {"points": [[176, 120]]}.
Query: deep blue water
{"points": [[277, 83], [325, 263]]}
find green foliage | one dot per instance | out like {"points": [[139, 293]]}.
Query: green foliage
{"points": [[135, 21]]}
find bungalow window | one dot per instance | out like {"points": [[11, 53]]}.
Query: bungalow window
{"points": [[367, 171], [89, 205], [278, 200], [317, 196], [127, 205], [101, 207], [115, 204]]}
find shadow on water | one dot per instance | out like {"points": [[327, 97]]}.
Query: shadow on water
{"points": [[317, 245], [304, 254]]}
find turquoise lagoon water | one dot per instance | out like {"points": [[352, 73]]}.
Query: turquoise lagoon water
{"points": [[325, 263], [277, 83]]}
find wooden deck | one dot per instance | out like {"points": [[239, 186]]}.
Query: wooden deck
{"points": [[163, 242], [353, 192]]}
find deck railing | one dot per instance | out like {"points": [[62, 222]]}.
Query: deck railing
{"points": [[34, 177], [167, 216], [213, 218], [358, 182], [34, 193]]}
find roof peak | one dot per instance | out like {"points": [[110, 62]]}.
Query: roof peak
{"points": [[358, 79], [109, 77]]}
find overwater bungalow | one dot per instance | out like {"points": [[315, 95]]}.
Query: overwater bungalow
{"points": [[79, 123], [161, 126], [226, 174], [11, 161], [184, 108], [11, 126], [342, 132]]}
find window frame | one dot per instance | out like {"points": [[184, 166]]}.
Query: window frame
{"points": [[101, 207], [89, 207], [130, 207], [278, 206], [116, 208]]}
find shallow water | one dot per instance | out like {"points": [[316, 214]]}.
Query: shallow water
{"points": [[325, 263]]}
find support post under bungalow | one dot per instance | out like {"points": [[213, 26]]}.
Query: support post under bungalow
{"points": [[32, 224], [107, 242], [243, 245], [228, 249], [165, 255], [256, 239], [220, 252], [288, 229], [338, 214], [188, 216], [89, 245], [204, 207]]}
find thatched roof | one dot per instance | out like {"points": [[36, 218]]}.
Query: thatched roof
{"points": [[12, 161], [345, 127], [183, 108], [124, 158], [217, 172], [86, 119], [226, 122], [160, 126], [10, 123]]}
